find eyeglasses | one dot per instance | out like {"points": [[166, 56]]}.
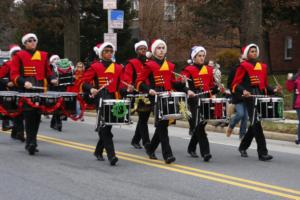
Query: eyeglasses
{"points": [[108, 51], [31, 40]]}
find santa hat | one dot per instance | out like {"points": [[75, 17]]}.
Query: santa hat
{"points": [[27, 36], [194, 51], [53, 57], [139, 44], [99, 48], [13, 48], [155, 44], [245, 50]]}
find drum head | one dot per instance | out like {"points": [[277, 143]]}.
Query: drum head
{"points": [[8, 93], [114, 101]]}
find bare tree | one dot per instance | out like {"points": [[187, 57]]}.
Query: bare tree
{"points": [[72, 30]]}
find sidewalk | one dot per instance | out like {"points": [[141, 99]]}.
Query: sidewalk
{"points": [[185, 124]]}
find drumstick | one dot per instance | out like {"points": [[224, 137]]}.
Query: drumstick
{"points": [[129, 85], [201, 93], [101, 88], [37, 88], [182, 76], [275, 79]]}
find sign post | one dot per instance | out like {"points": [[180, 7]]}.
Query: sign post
{"points": [[115, 19]]}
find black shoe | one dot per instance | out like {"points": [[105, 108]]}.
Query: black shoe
{"points": [[170, 159], [113, 160], [297, 141], [99, 157], [243, 153], [193, 154], [149, 152], [31, 148], [20, 136], [265, 157], [14, 136], [207, 157], [136, 145]]}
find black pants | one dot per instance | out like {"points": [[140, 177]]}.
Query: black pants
{"points": [[142, 131], [254, 131], [5, 123], [198, 133], [18, 125], [161, 136], [32, 124], [56, 121], [105, 142]]}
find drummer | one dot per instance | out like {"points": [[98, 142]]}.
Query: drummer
{"points": [[251, 79], [107, 73], [131, 71], [56, 120], [30, 67], [200, 80], [17, 131], [159, 72]]}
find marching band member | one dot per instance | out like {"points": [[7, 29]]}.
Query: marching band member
{"points": [[251, 79], [104, 72], [30, 67], [17, 131], [56, 121], [131, 72], [201, 79], [159, 72]]}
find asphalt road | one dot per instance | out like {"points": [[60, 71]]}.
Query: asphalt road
{"points": [[66, 169]]}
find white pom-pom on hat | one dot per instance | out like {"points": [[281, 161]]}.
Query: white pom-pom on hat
{"points": [[13, 48]]}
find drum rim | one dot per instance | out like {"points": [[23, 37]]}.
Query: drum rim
{"points": [[172, 94], [274, 99], [28, 94], [105, 101], [224, 100]]}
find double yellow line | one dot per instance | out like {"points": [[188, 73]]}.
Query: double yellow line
{"points": [[204, 174], [182, 169]]}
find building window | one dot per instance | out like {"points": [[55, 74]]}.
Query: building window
{"points": [[170, 11], [288, 46]]}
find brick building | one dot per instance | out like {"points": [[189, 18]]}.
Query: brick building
{"points": [[173, 21]]}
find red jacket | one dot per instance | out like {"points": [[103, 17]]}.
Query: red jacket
{"points": [[202, 78], [101, 75], [132, 70], [249, 76], [5, 69], [25, 65], [160, 76]]}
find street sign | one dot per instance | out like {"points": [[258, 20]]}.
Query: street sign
{"points": [[111, 37], [109, 4], [117, 19]]}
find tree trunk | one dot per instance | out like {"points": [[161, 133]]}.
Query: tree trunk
{"points": [[251, 25], [72, 31]]}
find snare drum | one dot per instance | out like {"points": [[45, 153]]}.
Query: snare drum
{"points": [[70, 101], [140, 102], [33, 97], [8, 100], [49, 99], [270, 108], [113, 112], [169, 105], [211, 109]]}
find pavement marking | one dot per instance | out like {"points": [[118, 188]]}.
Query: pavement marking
{"points": [[204, 174], [181, 166]]}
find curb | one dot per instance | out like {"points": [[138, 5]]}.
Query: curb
{"points": [[184, 124]]}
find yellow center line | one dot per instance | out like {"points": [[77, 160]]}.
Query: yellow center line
{"points": [[185, 167], [208, 175]]}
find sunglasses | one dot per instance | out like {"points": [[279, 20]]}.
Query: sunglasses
{"points": [[31, 40]]}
